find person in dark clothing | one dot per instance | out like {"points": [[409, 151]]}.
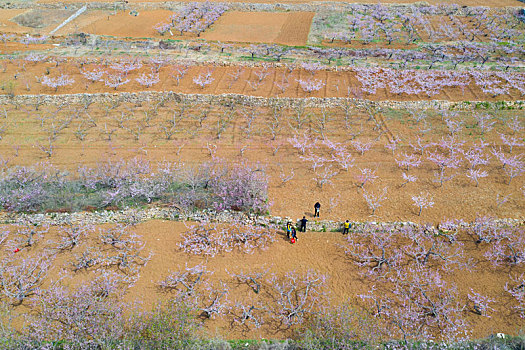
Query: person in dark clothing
{"points": [[303, 222], [288, 229], [317, 206], [294, 233], [346, 227]]}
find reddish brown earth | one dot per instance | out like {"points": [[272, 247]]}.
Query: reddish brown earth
{"points": [[337, 82], [458, 198], [285, 28], [342, 199], [123, 24], [322, 252], [6, 22]]}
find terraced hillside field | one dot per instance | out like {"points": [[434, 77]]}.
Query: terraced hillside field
{"points": [[153, 154]]}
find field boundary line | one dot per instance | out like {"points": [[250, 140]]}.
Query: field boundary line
{"points": [[71, 18], [258, 101], [175, 214]]}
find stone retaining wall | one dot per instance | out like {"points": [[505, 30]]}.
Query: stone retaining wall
{"points": [[231, 99], [172, 214]]}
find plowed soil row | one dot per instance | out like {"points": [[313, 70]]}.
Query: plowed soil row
{"points": [[285, 28]]}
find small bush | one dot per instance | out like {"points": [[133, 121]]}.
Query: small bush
{"points": [[341, 327], [172, 324]]}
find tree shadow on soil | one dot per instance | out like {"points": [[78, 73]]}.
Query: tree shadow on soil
{"points": [[284, 236]]}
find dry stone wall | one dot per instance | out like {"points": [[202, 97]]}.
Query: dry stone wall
{"points": [[173, 214], [239, 99]]}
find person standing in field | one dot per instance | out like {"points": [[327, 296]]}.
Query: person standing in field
{"points": [[294, 233], [346, 227], [288, 229], [303, 222], [317, 206]]}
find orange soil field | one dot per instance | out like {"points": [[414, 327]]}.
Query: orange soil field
{"points": [[458, 198], [14, 47], [125, 25], [116, 131], [8, 14], [286, 28], [99, 22], [6, 23], [86, 22], [322, 252], [337, 83]]}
